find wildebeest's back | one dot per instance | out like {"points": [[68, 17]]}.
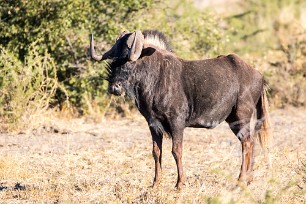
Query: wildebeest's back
{"points": [[212, 87]]}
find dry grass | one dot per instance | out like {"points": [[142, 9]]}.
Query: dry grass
{"points": [[111, 162]]}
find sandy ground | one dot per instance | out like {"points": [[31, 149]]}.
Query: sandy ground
{"points": [[111, 162]]}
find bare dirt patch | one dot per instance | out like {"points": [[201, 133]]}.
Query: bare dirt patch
{"points": [[111, 162]]}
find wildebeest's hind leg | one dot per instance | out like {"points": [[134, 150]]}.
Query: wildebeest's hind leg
{"points": [[246, 173], [240, 125], [157, 138]]}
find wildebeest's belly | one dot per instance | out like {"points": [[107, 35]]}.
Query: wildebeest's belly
{"points": [[212, 111], [204, 124], [208, 120]]}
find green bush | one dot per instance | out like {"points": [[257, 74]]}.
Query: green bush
{"points": [[193, 33], [61, 30], [271, 32], [27, 87]]}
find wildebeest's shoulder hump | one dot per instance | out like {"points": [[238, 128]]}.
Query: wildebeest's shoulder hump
{"points": [[234, 59]]}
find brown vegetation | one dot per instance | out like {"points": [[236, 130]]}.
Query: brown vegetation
{"points": [[111, 162]]}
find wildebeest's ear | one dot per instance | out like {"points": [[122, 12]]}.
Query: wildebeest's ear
{"points": [[147, 51], [135, 44]]}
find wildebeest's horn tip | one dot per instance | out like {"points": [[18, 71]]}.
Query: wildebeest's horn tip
{"points": [[93, 54]]}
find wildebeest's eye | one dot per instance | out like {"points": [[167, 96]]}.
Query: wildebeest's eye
{"points": [[125, 52]]}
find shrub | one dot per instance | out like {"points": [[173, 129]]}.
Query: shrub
{"points": [[271, 32], [27, 87], [194, 33]]}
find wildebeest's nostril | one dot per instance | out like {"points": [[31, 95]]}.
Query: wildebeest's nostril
{"points": [[117, 86]]}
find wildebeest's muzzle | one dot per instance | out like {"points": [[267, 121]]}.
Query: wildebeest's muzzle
{"points": [[116, 88]]}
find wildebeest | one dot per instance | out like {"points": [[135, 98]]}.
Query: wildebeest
{"points": [[173, 93]]}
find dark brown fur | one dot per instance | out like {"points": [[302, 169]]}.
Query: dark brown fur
{"points": [[172, 94]]}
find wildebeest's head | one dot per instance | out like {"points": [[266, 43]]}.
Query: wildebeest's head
{"points": [[123, 56], [126, 50]]}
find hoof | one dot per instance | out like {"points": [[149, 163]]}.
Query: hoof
{"points": [[241, 184], [156, 184], [179, 186], [244, 181]]}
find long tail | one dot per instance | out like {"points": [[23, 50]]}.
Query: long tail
{"points": [[263, 118]]}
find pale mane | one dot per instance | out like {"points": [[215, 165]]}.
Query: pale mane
{"points": [[158, 39]]}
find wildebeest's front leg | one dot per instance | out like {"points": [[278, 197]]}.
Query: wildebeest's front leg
{"points": [[157, 138], [177, 149]]}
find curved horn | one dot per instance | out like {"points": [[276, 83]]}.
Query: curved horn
{"points": [[135, 43], [92, 50]]}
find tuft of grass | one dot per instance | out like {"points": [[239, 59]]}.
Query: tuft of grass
{"points": [[11, 169]]}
